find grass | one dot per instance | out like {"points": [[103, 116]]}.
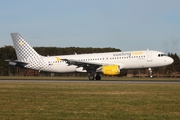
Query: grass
{"points": [[89, 101]]}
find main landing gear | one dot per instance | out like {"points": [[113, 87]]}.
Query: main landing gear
{"points": [[150, 73], [96, 77]]}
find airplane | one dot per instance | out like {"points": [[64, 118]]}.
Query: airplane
{"points": [[109, 63]]}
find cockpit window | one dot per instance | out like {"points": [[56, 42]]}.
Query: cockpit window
{"points": [[161, 55]]}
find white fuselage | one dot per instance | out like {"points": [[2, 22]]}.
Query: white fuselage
{"points": [[126, 60]]}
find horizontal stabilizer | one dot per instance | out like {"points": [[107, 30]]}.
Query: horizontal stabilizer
{"points": [[16, 63]]}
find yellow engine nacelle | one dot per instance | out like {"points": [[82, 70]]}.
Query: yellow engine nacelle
{"points": [[111, 70]]}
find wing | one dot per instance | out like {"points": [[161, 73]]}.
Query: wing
{"points": [[89, 66]]}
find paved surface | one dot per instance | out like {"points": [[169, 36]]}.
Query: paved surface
{"points": [[100, 82]]}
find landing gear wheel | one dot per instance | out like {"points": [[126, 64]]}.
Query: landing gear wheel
{"points": [[150, 73], [98, 77], [91, 77]]}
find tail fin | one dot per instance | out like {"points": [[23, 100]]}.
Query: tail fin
{"points": [[24, 52]]}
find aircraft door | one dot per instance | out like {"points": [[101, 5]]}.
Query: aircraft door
{"points": [[149, 56]]}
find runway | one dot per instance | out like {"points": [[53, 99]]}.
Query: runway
{"points": [[100, 82]]}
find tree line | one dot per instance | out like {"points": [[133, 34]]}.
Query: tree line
{"points": [[8, 53]]}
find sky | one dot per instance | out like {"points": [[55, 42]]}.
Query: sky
{"points": [[124, 24]]}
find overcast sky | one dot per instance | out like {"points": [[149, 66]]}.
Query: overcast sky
{"points": [[124, 24]]}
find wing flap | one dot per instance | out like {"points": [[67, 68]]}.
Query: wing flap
{"points": [[82, 63]]}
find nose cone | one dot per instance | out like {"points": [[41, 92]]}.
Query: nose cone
{"points": [[170, 60]]}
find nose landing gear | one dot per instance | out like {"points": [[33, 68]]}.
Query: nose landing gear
{"points": [[150, 73]]}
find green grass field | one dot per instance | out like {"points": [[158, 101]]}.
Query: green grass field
{"points": [[89, 101]]}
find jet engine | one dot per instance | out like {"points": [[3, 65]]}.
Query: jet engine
{"points": [[113, 70]]}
